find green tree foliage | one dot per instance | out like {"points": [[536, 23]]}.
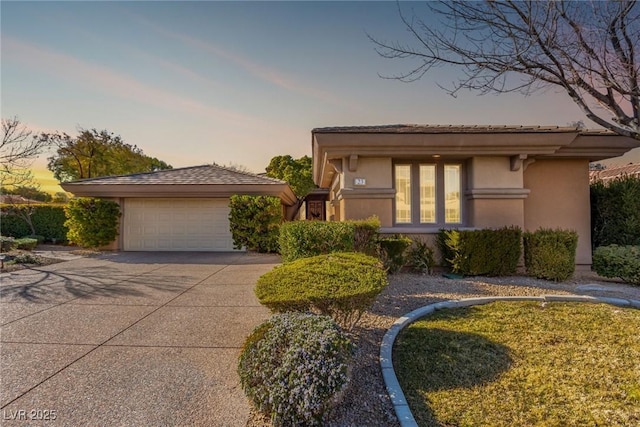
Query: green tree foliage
{"points": [[296, 172], [47, 221], [29, 192], [255, 222], [97, 153], [618, 261], [615, 212], [92, 222]]}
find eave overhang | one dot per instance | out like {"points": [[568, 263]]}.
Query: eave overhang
{"points": [[331, 144]]}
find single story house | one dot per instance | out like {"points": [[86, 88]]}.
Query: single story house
{"points": [[615, 172], [418, 179], [183, 209]]}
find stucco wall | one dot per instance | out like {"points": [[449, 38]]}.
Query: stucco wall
{"points": [[559, 198]]}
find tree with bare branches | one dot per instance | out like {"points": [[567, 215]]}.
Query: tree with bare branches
{"points": [[18, 149], [587, 48]]}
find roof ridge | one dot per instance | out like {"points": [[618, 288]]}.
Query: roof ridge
{"points": [[136, 173], [230, 169]]}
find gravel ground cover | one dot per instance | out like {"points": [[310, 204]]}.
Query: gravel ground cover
{"points": [[366, 402]]}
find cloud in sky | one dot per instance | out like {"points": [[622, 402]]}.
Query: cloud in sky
{"points": [[73, 69]]}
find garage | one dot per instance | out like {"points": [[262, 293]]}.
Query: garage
{"points": [[176, 225], [183, 209]]}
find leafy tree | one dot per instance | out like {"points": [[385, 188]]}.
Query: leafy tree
{"points": [[255, 222], [18, 149], [31, 192], [588, 49], [97, 153], [297, 172], [60, 197]]}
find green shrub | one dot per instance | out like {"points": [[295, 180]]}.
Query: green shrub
{"points": [[7, 244], [302, 239], [615, 212], [365, 235], [294, 366], [618, 261], [421, 257], [550, 254], [48, 221], [481, 252], [255, 222], [26, 243], [342, 285], [392, 252], [92, 222], [27, 258]]}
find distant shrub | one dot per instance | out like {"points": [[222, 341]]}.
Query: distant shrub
{"points": [[618, 261], [255, 222], [615, 212], [48, 221], [7, 244], [26, 243], [92, 222], [392, 252], [481, 252], [27, 258], [294, 366], [550, 254], [421, 258], [341, 285]]}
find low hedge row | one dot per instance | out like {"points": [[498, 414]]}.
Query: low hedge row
{"points": [[342, 285], [302, 239], [48, 221], [481, 252], [618, 261]]}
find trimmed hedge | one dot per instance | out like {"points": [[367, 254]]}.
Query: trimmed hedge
{"points": [[342, 285], [7, 244], [615, 212], [26, 243], [392, 252], [302, 239], [294, 366], [550, 254], [48, 220], [92, 222], [255, 222], [618, 261], [481, 252]]}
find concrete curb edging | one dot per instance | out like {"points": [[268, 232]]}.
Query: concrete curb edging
{"points": [[398, 400]]}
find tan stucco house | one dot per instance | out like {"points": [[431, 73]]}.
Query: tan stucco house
{"points": [[185, 209], [418, 179]]}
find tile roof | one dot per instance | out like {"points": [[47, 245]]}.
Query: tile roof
{"points": [[414, 128], [194, 175], [632, 169]]}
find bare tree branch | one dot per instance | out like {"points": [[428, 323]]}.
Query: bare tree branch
{"points": [[18, 149], [589, 49]]}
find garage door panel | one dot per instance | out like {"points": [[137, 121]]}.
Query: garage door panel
{"points": [[177, 225]]}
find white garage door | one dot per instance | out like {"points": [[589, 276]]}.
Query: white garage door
{"points": [[177, 225]]}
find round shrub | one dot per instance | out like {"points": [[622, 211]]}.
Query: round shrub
{"points": [[7, 244], [618, 261], [294, 366], [92, 222], [342, 285], [27, 243]]}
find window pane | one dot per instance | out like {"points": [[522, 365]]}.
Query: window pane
{"points": [[427, 193], [452, 193], [403, 194]]}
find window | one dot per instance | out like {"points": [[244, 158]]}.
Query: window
{"points": [[428, 193]]}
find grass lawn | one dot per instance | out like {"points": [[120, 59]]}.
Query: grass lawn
{"points": [[523, 364]]}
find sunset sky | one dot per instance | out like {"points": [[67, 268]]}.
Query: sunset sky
{"points": [[228, 82]]}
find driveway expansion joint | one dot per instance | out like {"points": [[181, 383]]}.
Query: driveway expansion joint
{"points": [[398, 399]]}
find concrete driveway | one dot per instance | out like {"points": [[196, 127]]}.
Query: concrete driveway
{"points": [[128, 339]]}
